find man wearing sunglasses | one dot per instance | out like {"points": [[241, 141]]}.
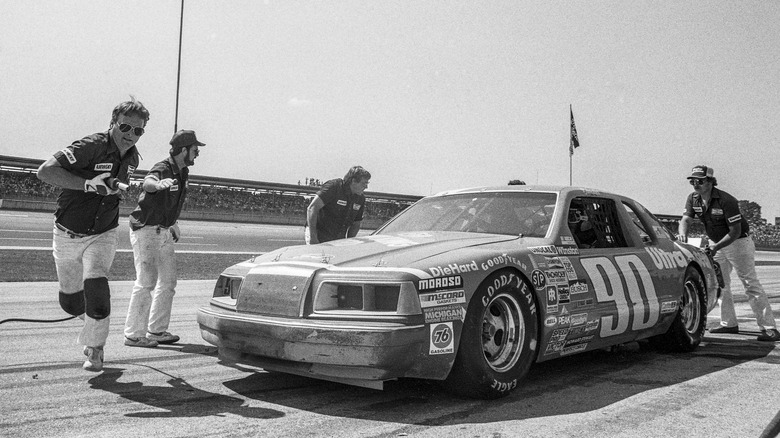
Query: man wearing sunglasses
{"points": [[730, 244], [91, 172], [153, 231]]}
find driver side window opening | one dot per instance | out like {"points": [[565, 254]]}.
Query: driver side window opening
{"points": [[594, 223]]}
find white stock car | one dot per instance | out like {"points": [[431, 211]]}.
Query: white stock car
{"points": [[469, 287]]}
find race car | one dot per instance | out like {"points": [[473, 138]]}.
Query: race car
{"points": [[468, 287]]}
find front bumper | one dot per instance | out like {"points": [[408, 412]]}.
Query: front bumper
{"points": [[360, 353]]}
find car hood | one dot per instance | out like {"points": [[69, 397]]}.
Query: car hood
{"points": [[383, 250]]}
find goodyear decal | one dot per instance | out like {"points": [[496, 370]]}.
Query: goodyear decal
{"points": [[442, 298], [104, 167], [446, 313], [452, 281], [441, 339], [69, 155]]}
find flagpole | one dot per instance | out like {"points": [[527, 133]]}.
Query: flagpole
{"points": [[178, 69], [571, 147]]}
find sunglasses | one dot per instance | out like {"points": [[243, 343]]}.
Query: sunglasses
{"points": [[124, 127], [697, 182]]}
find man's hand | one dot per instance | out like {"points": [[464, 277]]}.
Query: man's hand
{"points": [[163, 184], [682, 238], [175, 232], [98, 185]]}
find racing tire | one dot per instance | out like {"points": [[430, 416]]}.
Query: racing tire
{"points": [[499, 339], [687, 330]]}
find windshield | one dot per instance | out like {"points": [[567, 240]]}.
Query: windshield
{"points": [[513, 213]]}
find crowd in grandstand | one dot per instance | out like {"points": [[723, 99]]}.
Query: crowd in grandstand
{"points": [[26, 186]]}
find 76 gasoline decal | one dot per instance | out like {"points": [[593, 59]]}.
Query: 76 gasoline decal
{"points": [[441, 338]]}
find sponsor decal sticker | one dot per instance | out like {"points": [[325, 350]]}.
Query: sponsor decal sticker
{"points": [[584, 339], [559, 335], [550, 321], [668, 306], [452, 281], [578, 287], [543, 250], [441, 340], [442, 298], [554, 347], [557, 277], [553, 262], [581, 304], [446, 313], [563, 294], [667, 260], [570, 272], [104, 167], [454, 268], [574, 348], [538, 279], [567, 240], [552, 299], [568, 250]]}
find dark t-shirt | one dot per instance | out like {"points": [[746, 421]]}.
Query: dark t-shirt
{"points": [[341, 209], [163, 206], [723, 211], [91, 213]]}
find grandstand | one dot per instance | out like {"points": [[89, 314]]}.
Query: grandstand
{"points": [[236, 200], [209, 198]]}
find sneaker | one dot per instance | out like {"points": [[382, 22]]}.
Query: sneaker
{"points": [[162, 338], [771, 335], [724, 329], [94, 360], [140, 342]]}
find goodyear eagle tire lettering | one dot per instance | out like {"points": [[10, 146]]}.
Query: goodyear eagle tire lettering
{"points": [[687, 330], [499, 338]]}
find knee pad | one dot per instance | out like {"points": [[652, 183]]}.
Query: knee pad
{"points": [[97, 297], [72, 303]]}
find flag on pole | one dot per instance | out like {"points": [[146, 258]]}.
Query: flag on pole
{"points": [[574, 142]]}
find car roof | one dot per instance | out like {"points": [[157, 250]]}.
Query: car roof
{"points": [[562, 190]]}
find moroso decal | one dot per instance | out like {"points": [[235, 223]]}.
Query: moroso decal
{"points": [[440, 283], [441, 339], [442, 298]]}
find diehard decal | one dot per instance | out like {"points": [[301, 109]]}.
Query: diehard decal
{"points": [[454, 268]]}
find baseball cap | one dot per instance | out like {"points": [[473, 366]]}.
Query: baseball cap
{"points": [[182, 139], [701, 172]]}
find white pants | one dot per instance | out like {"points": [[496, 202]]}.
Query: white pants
{"points": [[155, 268], [740, 256], [81, 258]]}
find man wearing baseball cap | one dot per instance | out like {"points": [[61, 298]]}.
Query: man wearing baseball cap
{"points": [[153, 231], [730, 244]]}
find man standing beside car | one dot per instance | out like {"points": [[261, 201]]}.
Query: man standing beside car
{"points": [[89, 172], [153, 231], [730, 244], [336, 212]]}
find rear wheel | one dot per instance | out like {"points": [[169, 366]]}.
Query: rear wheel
{"points": [[687, 330], [499, 339]]}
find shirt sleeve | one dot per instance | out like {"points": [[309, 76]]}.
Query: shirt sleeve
{"points": [[731, 209], [689, 207], [156, 172], [78, 155], [329, 191]]}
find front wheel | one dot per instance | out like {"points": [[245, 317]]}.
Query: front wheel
{"points": [[687, 330], [499, 339]]}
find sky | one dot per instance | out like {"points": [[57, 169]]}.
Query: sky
{"points": [[426, 95]]}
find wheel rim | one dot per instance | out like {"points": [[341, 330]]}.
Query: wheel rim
{"points": [[503, 332], [690, 307]]}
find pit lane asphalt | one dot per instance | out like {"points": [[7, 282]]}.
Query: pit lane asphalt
{"points": [[727, 388]]}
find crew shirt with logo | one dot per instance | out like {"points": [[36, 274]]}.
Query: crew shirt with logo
{"points": [[722, 211], [163, 206], [342, 208], [91, 213]]}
